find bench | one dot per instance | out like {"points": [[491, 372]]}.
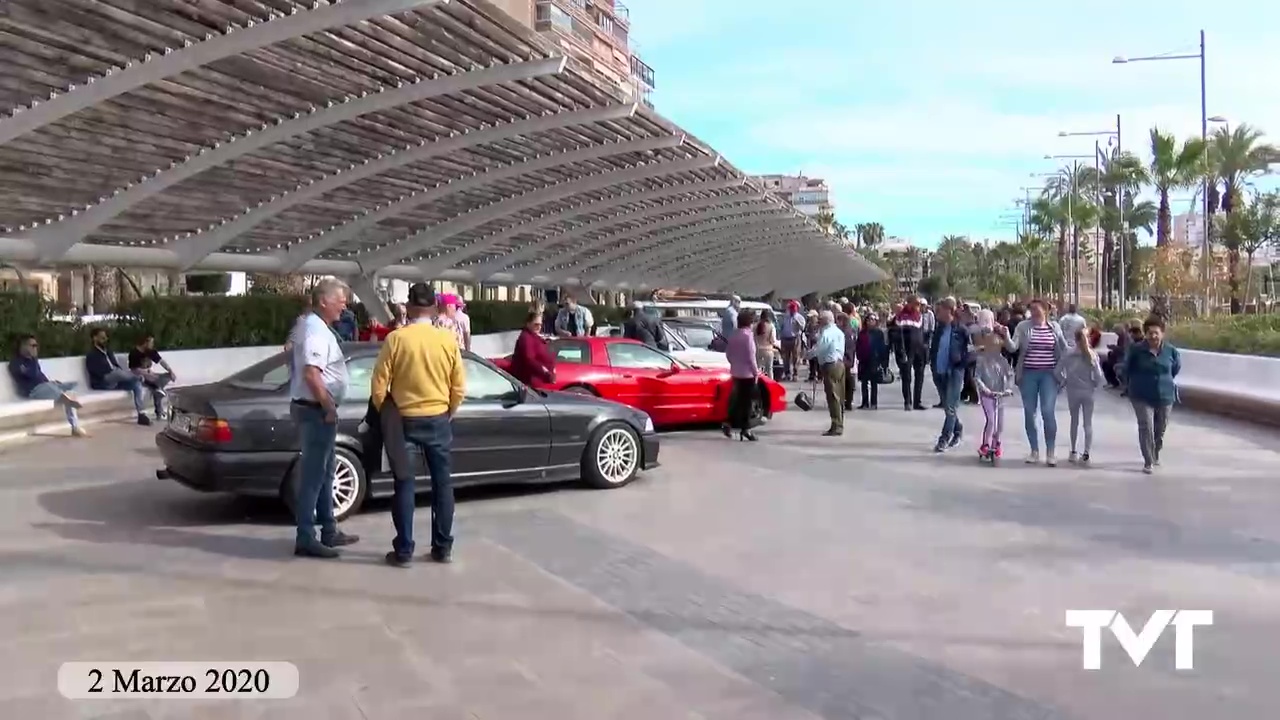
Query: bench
{"points": [[194, 367], [1246, 387]]}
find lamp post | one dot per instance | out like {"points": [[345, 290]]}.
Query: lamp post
{"points": [[1073, 268], [1119, 199], [1204, 137]]}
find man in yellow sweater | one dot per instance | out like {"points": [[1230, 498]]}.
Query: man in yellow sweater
{"points": [[420, 368]]}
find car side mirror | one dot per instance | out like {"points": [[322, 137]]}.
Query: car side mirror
{"points": [[518, 396], [674, 369]]}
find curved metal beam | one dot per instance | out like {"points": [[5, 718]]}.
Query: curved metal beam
{"points": [[644, 230], [753, 260], [483, 271], [692, 265], [57, 237], [335, 235], [447, 260], [196, 247], [718, 232], [728, 262], [175, 61], [639, 254], [656, 254], [418, 242]]}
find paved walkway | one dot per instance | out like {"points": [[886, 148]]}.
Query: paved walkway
{"points": [[798, 577]]}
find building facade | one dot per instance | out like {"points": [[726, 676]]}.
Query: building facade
{"points": [[596, 33], [810, 196]]}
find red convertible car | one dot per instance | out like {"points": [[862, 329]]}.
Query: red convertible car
{"points": [[672, 392]]}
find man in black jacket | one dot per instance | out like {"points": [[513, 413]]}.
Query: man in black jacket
{"points": [[912, 353], [105, 373], [645, 328]]}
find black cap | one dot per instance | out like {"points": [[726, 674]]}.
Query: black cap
{"points": [[421, 295]]}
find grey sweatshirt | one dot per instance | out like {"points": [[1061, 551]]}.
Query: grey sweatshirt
{"points": [[992, 373], [1082, 376]]}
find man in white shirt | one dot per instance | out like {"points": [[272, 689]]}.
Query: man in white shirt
{"points": [[1071, 322], [464, 322], [317, 384]]}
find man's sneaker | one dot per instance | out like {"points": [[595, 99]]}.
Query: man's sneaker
{"points": [[79, 432], [399, 561], [1072, 458], [144, 420], [955, 440], [341, 539], [1050, 460], [443, 557], [1033, 458], [1147, 470], [941, 447]]}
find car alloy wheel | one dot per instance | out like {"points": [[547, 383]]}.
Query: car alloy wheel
{"points": [[612, 458], [346, 485]]}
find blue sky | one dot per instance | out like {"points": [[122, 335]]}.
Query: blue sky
{"points": [[929, 117]]}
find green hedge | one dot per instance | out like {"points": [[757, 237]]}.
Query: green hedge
{"points": [[193, 322], [1239, 334]]}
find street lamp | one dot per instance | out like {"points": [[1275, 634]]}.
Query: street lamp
{"points": [[1204, 137], [1073, 269], [1119, 195]]}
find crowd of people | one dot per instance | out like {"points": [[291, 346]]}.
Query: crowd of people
{"points": [[974, 355]]}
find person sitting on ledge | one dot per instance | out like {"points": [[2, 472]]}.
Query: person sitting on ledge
{"points": [[105, 373], [30, 381]]}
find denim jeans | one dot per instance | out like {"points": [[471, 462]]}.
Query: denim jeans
{"points": [[433, 437], [950, 386], [54, 391], [314, 501], [156, 384], [120, 379], [1039, 389]]}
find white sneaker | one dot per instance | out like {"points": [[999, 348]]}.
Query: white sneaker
{"points": [[1050, 460], [1072, 458], [1033, 458]]}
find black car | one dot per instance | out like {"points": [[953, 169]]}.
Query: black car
{"points": [[236, 436]]}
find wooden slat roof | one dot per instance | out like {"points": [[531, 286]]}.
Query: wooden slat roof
{"points": [[406, 138]]}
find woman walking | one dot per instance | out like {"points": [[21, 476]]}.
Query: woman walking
{"points": [[766, 343], [1082, 375], [741, 354], [532, 360], [1150, 368], [1040, 346], [873, 360]]}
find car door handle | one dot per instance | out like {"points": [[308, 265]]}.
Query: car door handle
{"points": [[628, 376]]}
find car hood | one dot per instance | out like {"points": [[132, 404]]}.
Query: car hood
{"points": [[577, 402], [703, 358]]}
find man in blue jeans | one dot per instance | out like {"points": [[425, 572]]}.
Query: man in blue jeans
{"points": [[420, 369], [948, 357], [105, 373], [317, 384]]}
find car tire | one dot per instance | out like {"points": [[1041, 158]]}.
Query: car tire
{"points": [[612, 457], [757, 416], [350, 485]]}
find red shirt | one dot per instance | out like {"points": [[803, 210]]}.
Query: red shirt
{"points": [[532, 359]]}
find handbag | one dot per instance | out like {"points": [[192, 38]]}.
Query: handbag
{"points": [[885, 376], [804, 400]]}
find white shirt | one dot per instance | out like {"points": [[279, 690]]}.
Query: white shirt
{"points": [[464, 322], [315, 344]]}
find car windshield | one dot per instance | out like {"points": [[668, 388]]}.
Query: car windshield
{"points": [[696, 335]]}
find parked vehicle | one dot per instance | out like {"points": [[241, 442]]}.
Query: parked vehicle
{"points": [[672, 392], [236, 436], [679, 346]]}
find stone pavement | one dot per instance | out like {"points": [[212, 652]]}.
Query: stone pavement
{"points": [[797, 577]]}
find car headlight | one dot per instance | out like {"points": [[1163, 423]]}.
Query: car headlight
{"points": [[648, 424]]}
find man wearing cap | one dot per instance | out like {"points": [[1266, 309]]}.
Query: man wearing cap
{"points": [[420, 368]]}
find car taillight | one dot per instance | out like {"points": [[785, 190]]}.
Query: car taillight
{"points": [[213, 430]]}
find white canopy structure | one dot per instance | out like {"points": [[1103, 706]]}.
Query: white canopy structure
{"points": [[412, 139]]}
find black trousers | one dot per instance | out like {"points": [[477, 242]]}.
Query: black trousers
{"points": [[870, 393], [849, 387], [744, 389], [913, 371]]}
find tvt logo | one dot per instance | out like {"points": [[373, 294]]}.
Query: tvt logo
{"points": [[1138, 645]]}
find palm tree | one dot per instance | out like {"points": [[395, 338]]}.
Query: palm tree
{"points": [[1172, 168], [1142, 216], [950, 260], [1051, 212], [825, 220], [870, 234], [840, 231], [1236, 155]]}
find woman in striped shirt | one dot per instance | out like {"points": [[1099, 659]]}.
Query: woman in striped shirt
{"points": [[1040, 346]]}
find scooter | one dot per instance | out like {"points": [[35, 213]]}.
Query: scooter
{"points": [[990, 454]]}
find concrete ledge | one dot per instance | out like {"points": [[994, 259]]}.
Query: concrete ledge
{"points": [[1217, 401]]}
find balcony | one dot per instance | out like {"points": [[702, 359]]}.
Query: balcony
{"points": [[642, 72]]}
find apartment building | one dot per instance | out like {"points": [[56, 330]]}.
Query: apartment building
{"points": [[597, 34], [810, 196]]}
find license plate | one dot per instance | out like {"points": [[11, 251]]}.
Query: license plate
{"points": [[180, 423]]}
